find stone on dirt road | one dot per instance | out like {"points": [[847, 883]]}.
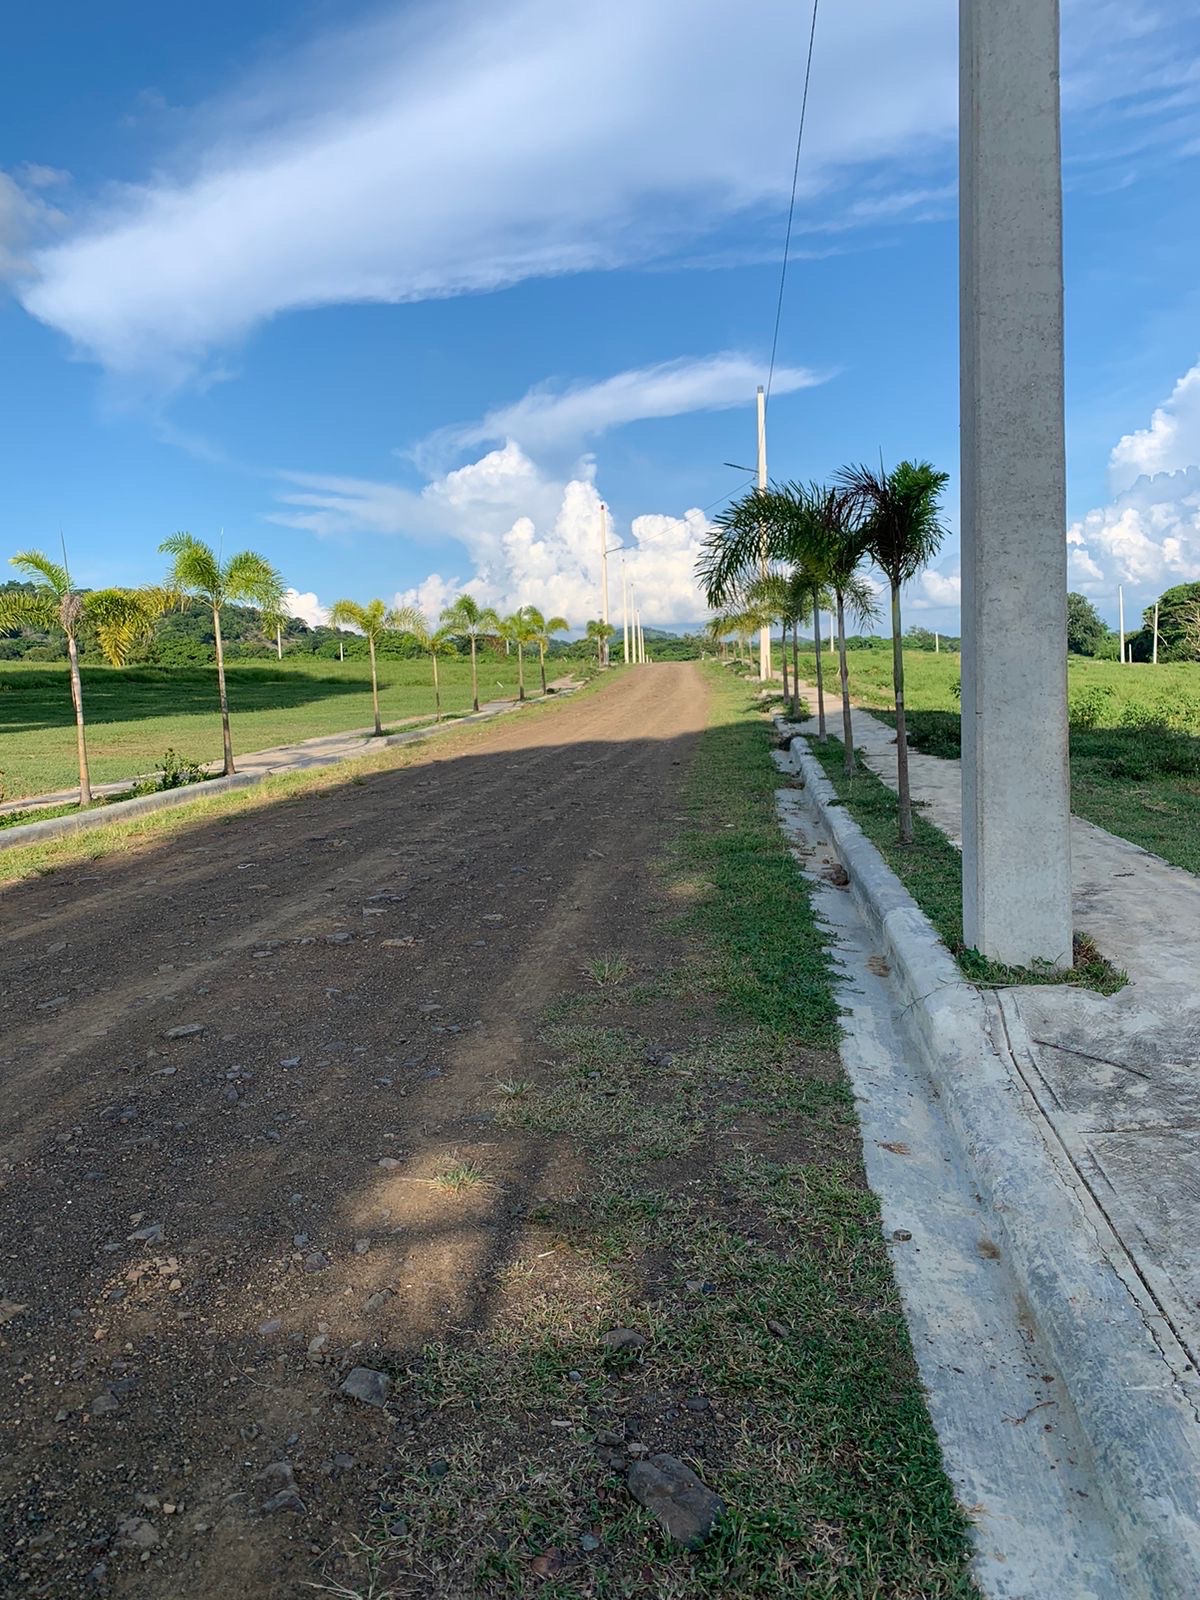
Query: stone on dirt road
{"points": [[687, 1509], [367, 1385], [186, 1030]]}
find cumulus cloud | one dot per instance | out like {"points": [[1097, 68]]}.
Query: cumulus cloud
{"points": [[1148, 536], [935, 591], [443, 149], [306, 606], [518, 536], [547, 417], [1170, 444]]}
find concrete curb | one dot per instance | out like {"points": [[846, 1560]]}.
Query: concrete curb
{"points": [[140, 805], [1122, 1376]]}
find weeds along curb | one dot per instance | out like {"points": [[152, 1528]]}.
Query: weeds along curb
{"points": [[1122, 1384], [125, 810]]}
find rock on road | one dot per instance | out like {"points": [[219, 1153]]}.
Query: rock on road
{"points": [[231, 1062]]}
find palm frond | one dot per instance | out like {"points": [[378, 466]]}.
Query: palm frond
{"points": [[36, 565], [250, 578], [194, 568], [20, 609], [122, 618]]}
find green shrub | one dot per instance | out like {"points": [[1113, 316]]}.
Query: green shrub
{"points": [[177, 772], [1089, 707]]}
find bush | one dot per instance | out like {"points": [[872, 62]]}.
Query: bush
{"points": [[177, 772], [1089, 707]]}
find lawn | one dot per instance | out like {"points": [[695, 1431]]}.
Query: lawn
{"points": [[134, 714], [1135, 737]]}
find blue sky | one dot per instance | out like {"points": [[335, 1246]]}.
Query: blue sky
{"points": [[397, 293]]}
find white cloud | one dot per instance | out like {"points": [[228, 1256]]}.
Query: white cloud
{"points": [[1169, 444], [522, 536], [456, 148], [935, 591], [25, 217], [305, 606], [548, 417], [1148, 536]]}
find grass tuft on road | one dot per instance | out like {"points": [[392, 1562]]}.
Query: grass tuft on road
{"points": [[931, 870], [706, 1190]]}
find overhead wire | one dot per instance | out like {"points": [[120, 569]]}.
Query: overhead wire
{"points": [[787, 238]]}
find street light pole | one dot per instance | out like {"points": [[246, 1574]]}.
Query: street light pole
{"points": [[625, 606], [764, 633], [604, 577]]}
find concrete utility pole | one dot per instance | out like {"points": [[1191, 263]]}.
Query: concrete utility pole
{"points": [[764, 633], [625, 607], [278, 643], [1154, 655], [937, 643], [1015, 773], [604, 577], [1121, 618]]}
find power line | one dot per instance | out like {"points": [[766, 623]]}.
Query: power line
{"points": [[787, 239], [722, 497]]}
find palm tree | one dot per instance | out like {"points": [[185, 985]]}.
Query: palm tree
{"points": [[839, 548], [600, 633], [120, 617], [519, 630], [901, 512], [247, 578], [542, 631], [467, 619], [435, 642], [372, 620]]}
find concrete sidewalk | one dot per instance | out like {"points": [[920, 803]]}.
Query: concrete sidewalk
{"points": [[1115, 1078]]}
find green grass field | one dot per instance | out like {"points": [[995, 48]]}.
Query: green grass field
{"points": [[134, 714], [1135, 737]]}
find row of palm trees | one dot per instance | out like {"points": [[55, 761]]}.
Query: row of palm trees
{"points": [[779, 555], [123, 618]]}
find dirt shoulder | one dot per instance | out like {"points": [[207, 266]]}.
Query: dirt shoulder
{"points": [[420, 1074]]}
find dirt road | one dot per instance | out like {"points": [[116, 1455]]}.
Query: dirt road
{"points": [[248, 1077]]}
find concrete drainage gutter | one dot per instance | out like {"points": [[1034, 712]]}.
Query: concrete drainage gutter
{"points": [[141, 805], [1120, 1366]]}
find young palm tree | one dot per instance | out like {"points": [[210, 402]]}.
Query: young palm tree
{"points": [[542, 631], [467, 619], [372, 620], [519, 630], [246, 578], [901, 512], [120, 617], [839, 548], [434, 641], [600, 633]]}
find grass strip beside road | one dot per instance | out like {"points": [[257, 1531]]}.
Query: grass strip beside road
{"points": [[931, 870], [120, 836], [710, 1196]]}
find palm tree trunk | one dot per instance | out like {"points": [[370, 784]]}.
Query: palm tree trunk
{"points": [[474, 678], [843, 671], [795, 667], [437, 689], [374, 685], [783, 653], [906, 826], [85, 776], [520, 670], [542, 665], [224, 698], [820, 674]]}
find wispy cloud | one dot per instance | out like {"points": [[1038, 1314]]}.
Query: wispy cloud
{"points": [[455, 148], [553, 418]]}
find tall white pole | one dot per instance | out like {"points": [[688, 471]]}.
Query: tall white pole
{"points": [[1121, 618], [625, 607], [1154, 653], [764, 633], [1016, 784], [604, 577], [832, 631], [278, 643], [937, 643]]}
